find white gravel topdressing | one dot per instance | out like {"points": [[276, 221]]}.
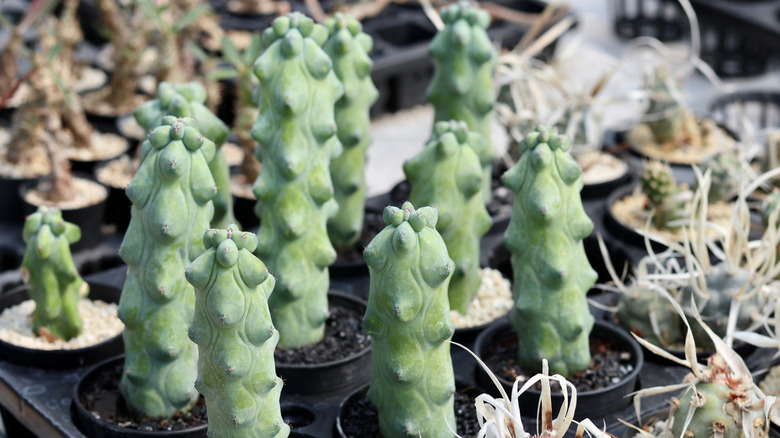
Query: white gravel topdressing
{"points": [[100, 323], [493, 300]]}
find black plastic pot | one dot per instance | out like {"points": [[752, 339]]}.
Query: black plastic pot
{"points": [[61, 359], [244, 212], [621, 232], [590, 404], [117, 211], [88, 166], [603, 189], [760, 108], [11, 203]]}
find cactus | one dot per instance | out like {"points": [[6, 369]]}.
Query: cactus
{"points": [[236, 338], [643, 311], [297, 139], [666, 114], [726, 170], [661, 189], [48, 269], [171, 195], [447, 175], [462, 84], [187, 100], [544, 236], [769, 205], [412, 380], [348, 48]]}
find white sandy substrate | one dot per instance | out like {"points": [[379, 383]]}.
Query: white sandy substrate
{"points": [[89, 193], [100, 323], [493, 300]]}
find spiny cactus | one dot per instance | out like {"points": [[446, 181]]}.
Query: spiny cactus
{"points": [[646, 313], [412, 380], [769, 205], [236, 338], [726, 170], [665, 113], [171, 195], [297, 139], [348, 48], [661, 189], [48, 269], [187, 100], [545, 235], [462, 84], [447, 175]]}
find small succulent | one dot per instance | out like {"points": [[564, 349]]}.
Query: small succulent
{"points": [[664, 113], [770, 205], [663, 193], [726, 171]]}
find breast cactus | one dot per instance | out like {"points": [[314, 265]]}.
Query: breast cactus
{"points": [[412, 381], [48, 269], [544, 236], [447, 175], [236, 338], [348, 48], [296, 131], [171, 195]]}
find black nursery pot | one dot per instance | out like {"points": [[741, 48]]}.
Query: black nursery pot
{"points": [[11, 203], [118, 205], [61, 359], [621, 232], [593, 404]]}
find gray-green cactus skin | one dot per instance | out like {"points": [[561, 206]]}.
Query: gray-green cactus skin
{"points": [[236, 338], [187, 100], [171, 195], [668, 116], [48, 269], [544, 236], [725, 169], [447, 175], [348, 48], [661, 189], [769, 205], [296, 131], [639, 307], [462, 84], [408, 319]]}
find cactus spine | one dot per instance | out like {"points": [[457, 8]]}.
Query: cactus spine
{"points": [[447, 175], [348, 48], [545, 235], [661, 189], [412, 381], [462, 84], [664, 109], [187, 100], [48, 269], [297, 139], [171, 195], [236, 338]]}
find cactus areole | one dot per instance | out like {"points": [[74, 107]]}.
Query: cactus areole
{"points": [[48, 269], [408, 319], [296, 132], [544, 236], [171, 195], [236, 338]]}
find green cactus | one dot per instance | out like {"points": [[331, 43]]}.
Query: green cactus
{"points": [[446, 174], [544, 236], [297, 139], [408, 319], [651, 316], [187, 100], [348, 48], [236, 338], [48, 269], [666, 114], [770, 204], [661, 189], [725, 168], [171, 195], [462, 84]]}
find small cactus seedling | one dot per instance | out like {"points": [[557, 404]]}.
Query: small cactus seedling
{"points": [[462, 84], [662, 192], [348, 48], [171, 195], [236, 338], [48, 269], [296, 131], [446, 174], [545, 239], [666, 115], [408, 319], [726, 171]]}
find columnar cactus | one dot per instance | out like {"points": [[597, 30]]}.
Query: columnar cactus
{"points": [[462, 84], [348, 48], [665, 113], [297, 139], [236, 338], [187, 100], [171, 195], [48, 269], [545, 235], [412, 381], [447, 175], [661, 189]]}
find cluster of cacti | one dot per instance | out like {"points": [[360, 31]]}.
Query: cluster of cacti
{"points": [[296, 131], [462, 84], [544, 236], [236, 338], [53, 281], [664, 113], [661, 189], [446, 174], [348, 48], [412, 380], [725, 168], [171, 195], [187, 100]]}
